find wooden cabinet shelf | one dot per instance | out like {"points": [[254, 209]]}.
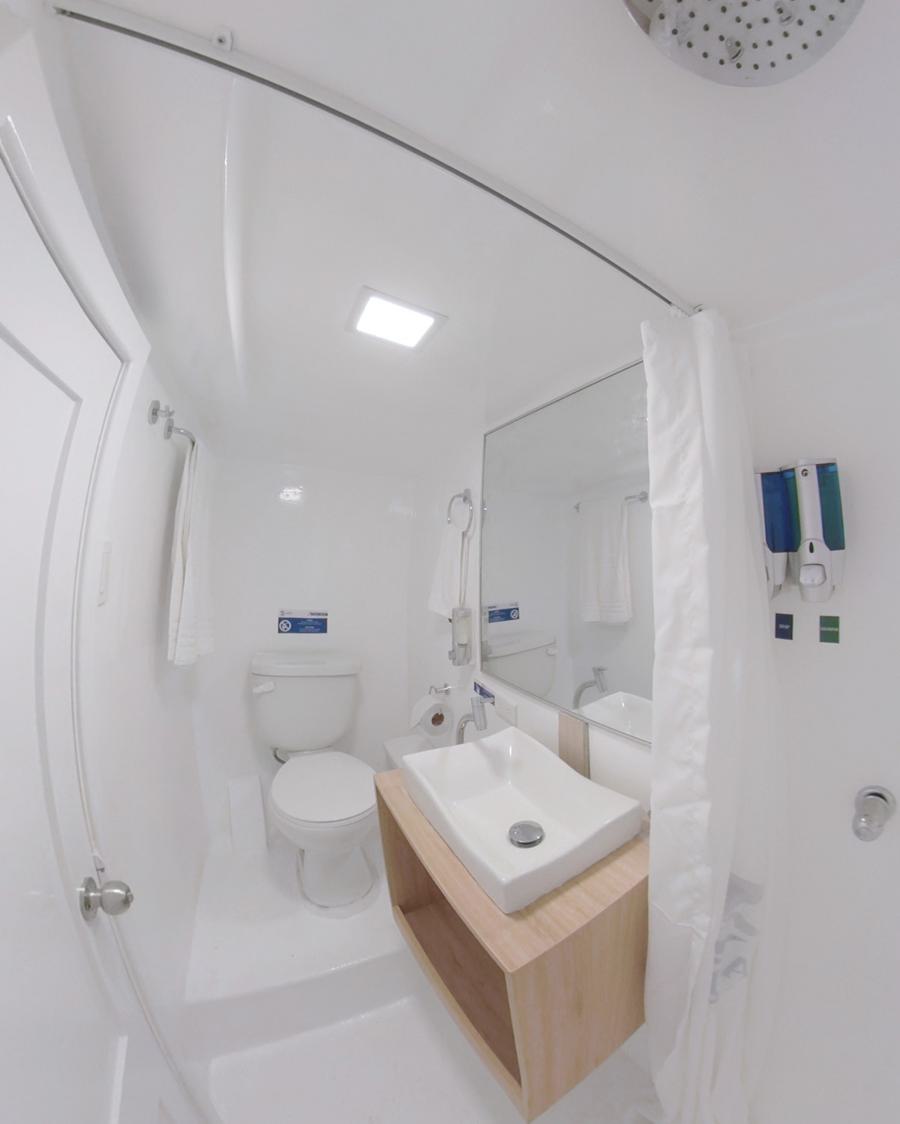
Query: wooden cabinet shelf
{"points": [[544, 995]]}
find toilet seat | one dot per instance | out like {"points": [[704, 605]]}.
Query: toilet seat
{"points": [[324, 788]]}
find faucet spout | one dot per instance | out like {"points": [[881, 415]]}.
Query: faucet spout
{"points": [[477, 716]]}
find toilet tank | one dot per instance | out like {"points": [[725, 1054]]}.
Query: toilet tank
{"points": [[525, 659], [303, 700]]}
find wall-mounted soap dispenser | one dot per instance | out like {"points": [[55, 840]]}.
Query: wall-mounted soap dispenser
{"points": [[804, 527], [781, 525], [818, 565]]}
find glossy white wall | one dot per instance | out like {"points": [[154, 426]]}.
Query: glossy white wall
{"points": [[343, 547], [136, 709], [824, 384], [428, 636]]}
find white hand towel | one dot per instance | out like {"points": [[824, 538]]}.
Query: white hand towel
{"points": [[445, 586], [605, 569], [190, 615]]}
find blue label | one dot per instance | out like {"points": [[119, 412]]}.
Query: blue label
{"points": [[784, 626], [499, 613], [302, 623], [480, 689]]}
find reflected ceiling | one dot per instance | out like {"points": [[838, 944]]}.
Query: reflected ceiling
{"points": [[569, 446]]}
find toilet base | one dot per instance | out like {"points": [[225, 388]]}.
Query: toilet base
{"points": [[330, 880]]}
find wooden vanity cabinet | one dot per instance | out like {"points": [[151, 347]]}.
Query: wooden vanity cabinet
{"points": [[543, 995]]}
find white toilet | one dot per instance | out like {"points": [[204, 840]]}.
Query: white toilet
{"points": [[322, 800]]}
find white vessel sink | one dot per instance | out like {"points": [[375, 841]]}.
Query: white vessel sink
{"points": [[473, 793], [629, 714]]}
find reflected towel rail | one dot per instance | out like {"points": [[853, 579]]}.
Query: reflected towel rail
{"points": [[638, 497]]}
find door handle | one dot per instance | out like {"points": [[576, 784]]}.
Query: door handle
{"points": [[112, 897]]}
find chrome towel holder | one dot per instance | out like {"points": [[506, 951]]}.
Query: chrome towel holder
{"points": [[463, 497], [157, 411]]}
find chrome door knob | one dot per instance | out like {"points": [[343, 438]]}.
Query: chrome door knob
{"points": [[112, 897]]}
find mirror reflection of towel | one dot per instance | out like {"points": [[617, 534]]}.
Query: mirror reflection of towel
{"points": [[605, 570]]}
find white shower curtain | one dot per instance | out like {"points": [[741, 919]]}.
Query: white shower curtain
{"points": [[715, 909]]}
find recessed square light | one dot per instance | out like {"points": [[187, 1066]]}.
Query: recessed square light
{"points": [[389, 319]]}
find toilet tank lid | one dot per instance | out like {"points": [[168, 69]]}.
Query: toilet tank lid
{"points": [[302, 663]]}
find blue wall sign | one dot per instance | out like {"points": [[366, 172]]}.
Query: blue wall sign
{"points": [[290, 621], [499, 613], [784, 626]]}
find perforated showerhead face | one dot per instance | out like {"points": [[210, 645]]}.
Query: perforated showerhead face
{"points": [[745, 42]]}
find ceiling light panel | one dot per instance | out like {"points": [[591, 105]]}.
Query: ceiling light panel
{"points": [[389, 319]]}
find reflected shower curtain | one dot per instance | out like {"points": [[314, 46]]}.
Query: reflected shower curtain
{"points": [[715, 913]]}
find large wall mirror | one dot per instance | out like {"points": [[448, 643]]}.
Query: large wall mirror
{"points": [[566, 579]]}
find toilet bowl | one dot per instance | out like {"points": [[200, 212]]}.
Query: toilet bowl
{"points": [[321, 799], [324, 802]]}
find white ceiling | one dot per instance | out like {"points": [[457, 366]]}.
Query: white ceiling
{"points": [[751, 199], [246, 224], [745, 198]]}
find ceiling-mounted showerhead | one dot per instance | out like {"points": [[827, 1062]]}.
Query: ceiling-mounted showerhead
{"points": [[744, 42]]}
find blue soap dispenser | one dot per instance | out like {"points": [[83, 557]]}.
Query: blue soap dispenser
{"points": [[817, 565]]}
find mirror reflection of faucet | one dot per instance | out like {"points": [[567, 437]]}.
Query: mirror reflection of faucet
{"points": [[598, 681]]}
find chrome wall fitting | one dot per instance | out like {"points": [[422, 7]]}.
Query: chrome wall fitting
{"points": [[874, 807], [155, 411]]}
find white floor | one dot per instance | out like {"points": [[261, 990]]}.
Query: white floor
{"points": [[298, 1018], [254, 932], [405, 1063]]}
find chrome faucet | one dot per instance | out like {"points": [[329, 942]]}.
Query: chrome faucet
{"points": [[599, 681], [477, 715]]}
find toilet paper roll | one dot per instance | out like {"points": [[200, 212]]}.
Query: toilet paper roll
{"points": [[620, 764], [433, 718]]}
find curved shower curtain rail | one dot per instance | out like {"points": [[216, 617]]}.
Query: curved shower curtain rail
{"points": [[217, 52]]}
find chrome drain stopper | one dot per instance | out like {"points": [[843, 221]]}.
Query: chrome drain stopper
{"points": [[526, 833]]}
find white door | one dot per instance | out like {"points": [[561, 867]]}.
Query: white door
{"points": [[75, 1045]]}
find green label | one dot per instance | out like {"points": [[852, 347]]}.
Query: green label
{"points": [[829, 630]]}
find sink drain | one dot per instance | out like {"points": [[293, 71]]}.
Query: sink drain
{"points": [[525, 833]]}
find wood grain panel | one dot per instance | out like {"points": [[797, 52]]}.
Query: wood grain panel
{"points": [[574, 743], [573, 1007]]}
